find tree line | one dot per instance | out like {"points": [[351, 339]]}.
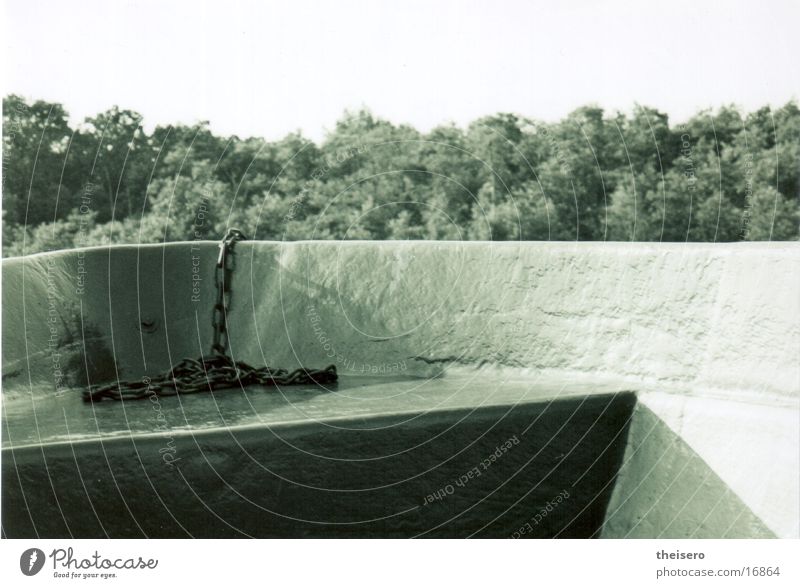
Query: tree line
{"points": [[721, 176]]}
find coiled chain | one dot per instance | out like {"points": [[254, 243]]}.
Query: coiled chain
{"points": [[217, 370]]}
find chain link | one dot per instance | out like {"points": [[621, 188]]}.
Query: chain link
{"points": [[218, 370], [223, 274]]}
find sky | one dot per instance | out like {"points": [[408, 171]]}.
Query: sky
{"points": [[269, 68]]}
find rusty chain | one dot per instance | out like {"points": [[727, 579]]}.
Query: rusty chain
{"points": [[217, 370], [223, 272]]}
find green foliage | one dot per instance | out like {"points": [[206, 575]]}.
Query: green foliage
{"points": [[720, 176]]}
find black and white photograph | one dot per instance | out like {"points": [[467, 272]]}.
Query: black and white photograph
{"points": [[443, 270]]}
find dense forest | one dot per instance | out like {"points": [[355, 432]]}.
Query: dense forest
{"points": [[720, 176]]}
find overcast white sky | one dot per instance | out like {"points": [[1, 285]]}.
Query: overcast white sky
{"points": [[268, 68]]}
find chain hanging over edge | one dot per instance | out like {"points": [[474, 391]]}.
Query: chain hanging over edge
{"points": [[217, 370], [222, 281]]}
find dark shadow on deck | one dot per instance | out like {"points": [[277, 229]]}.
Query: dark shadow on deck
{"points": [[546, 467]]}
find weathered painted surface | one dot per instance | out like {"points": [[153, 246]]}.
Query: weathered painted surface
{"points": [[683, 324], [666, 490], [753, 447], [696, 317]]}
